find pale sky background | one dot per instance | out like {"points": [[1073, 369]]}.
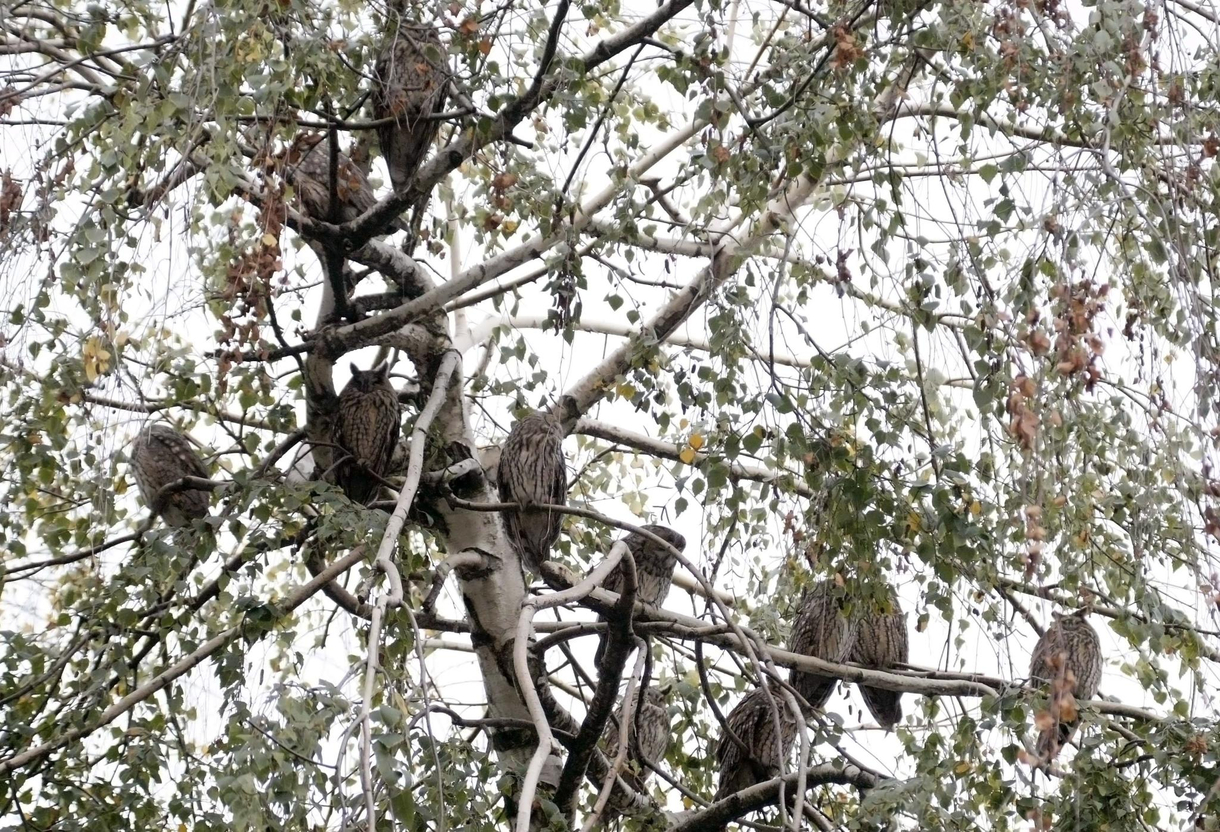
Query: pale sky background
{"points": [[170, 296]]}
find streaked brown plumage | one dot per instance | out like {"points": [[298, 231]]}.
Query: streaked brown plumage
{"points": [[533, 472], [881, 642], [412, 79], [754, 724], [824, 631], [1068, 658], [307, 169], [650, 734], [367, 430], [654, 570], [161, 455]]}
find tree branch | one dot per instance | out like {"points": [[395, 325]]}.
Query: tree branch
{"points": [[158, 682]]}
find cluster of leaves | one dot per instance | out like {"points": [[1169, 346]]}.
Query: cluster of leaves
{"points": [[1041, 464]]}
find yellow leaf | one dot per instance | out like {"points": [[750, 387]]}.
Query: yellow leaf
{"points": [[696, 441], [687, 455], [96, 358], [269, 240], [626, 391], [976, 508], [913, 522], [961, 768]]}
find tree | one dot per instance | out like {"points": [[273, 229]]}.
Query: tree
{"points": [[919, 293]]}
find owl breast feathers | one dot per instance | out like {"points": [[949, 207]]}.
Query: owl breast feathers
{"points": [[654, 564], [881, 642], [650, 734], [823, 630], [1068, 659], [753, 722], [533, 472], [368, 428], [160, 456], [654, 571], [307, 168]]}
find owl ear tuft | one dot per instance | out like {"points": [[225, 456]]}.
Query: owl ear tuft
{"points": [[382, 370], [355, 369]]}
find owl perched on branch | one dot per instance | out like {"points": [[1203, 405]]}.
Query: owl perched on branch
{"points": [[881, 642], [307, 168], [161, 455], [411, 82], [533, 472], [825, 631], [649, 734], [654, 570], [753, 723], [1068, 658], [367, 427]]}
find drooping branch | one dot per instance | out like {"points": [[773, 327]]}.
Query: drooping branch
{"points": [[667, 450], [448, 368], [724, 262], [547, 746], [286, 606], [737, 805], [619, 643]]}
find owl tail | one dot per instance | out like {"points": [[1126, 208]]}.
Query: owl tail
{"points": [[815, 689], [884, 705], [1052, 740], [357, 485], [599, 654]]}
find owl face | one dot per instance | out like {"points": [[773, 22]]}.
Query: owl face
{"points": [[1074, 623], [366, 381]]}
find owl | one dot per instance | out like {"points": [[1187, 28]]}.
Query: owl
{"points": [[654, 570], [307, 169], [823, 630], [881, 642], [650, 734], [532, 472], [161, 455], [753, 722], [367, 427], [411, 80], [1068, 658]]}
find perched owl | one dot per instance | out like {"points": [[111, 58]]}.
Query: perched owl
{"points": [[654, 570], [754, 724], [411, 81], [881, 642], [823, 630], [161, 455], [532, 471], [307, 169], [1068, 657], [367, 427], [650, 734]]}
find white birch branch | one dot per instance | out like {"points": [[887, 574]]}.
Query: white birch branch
{"points": [[547, 744], [385, 563]]}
